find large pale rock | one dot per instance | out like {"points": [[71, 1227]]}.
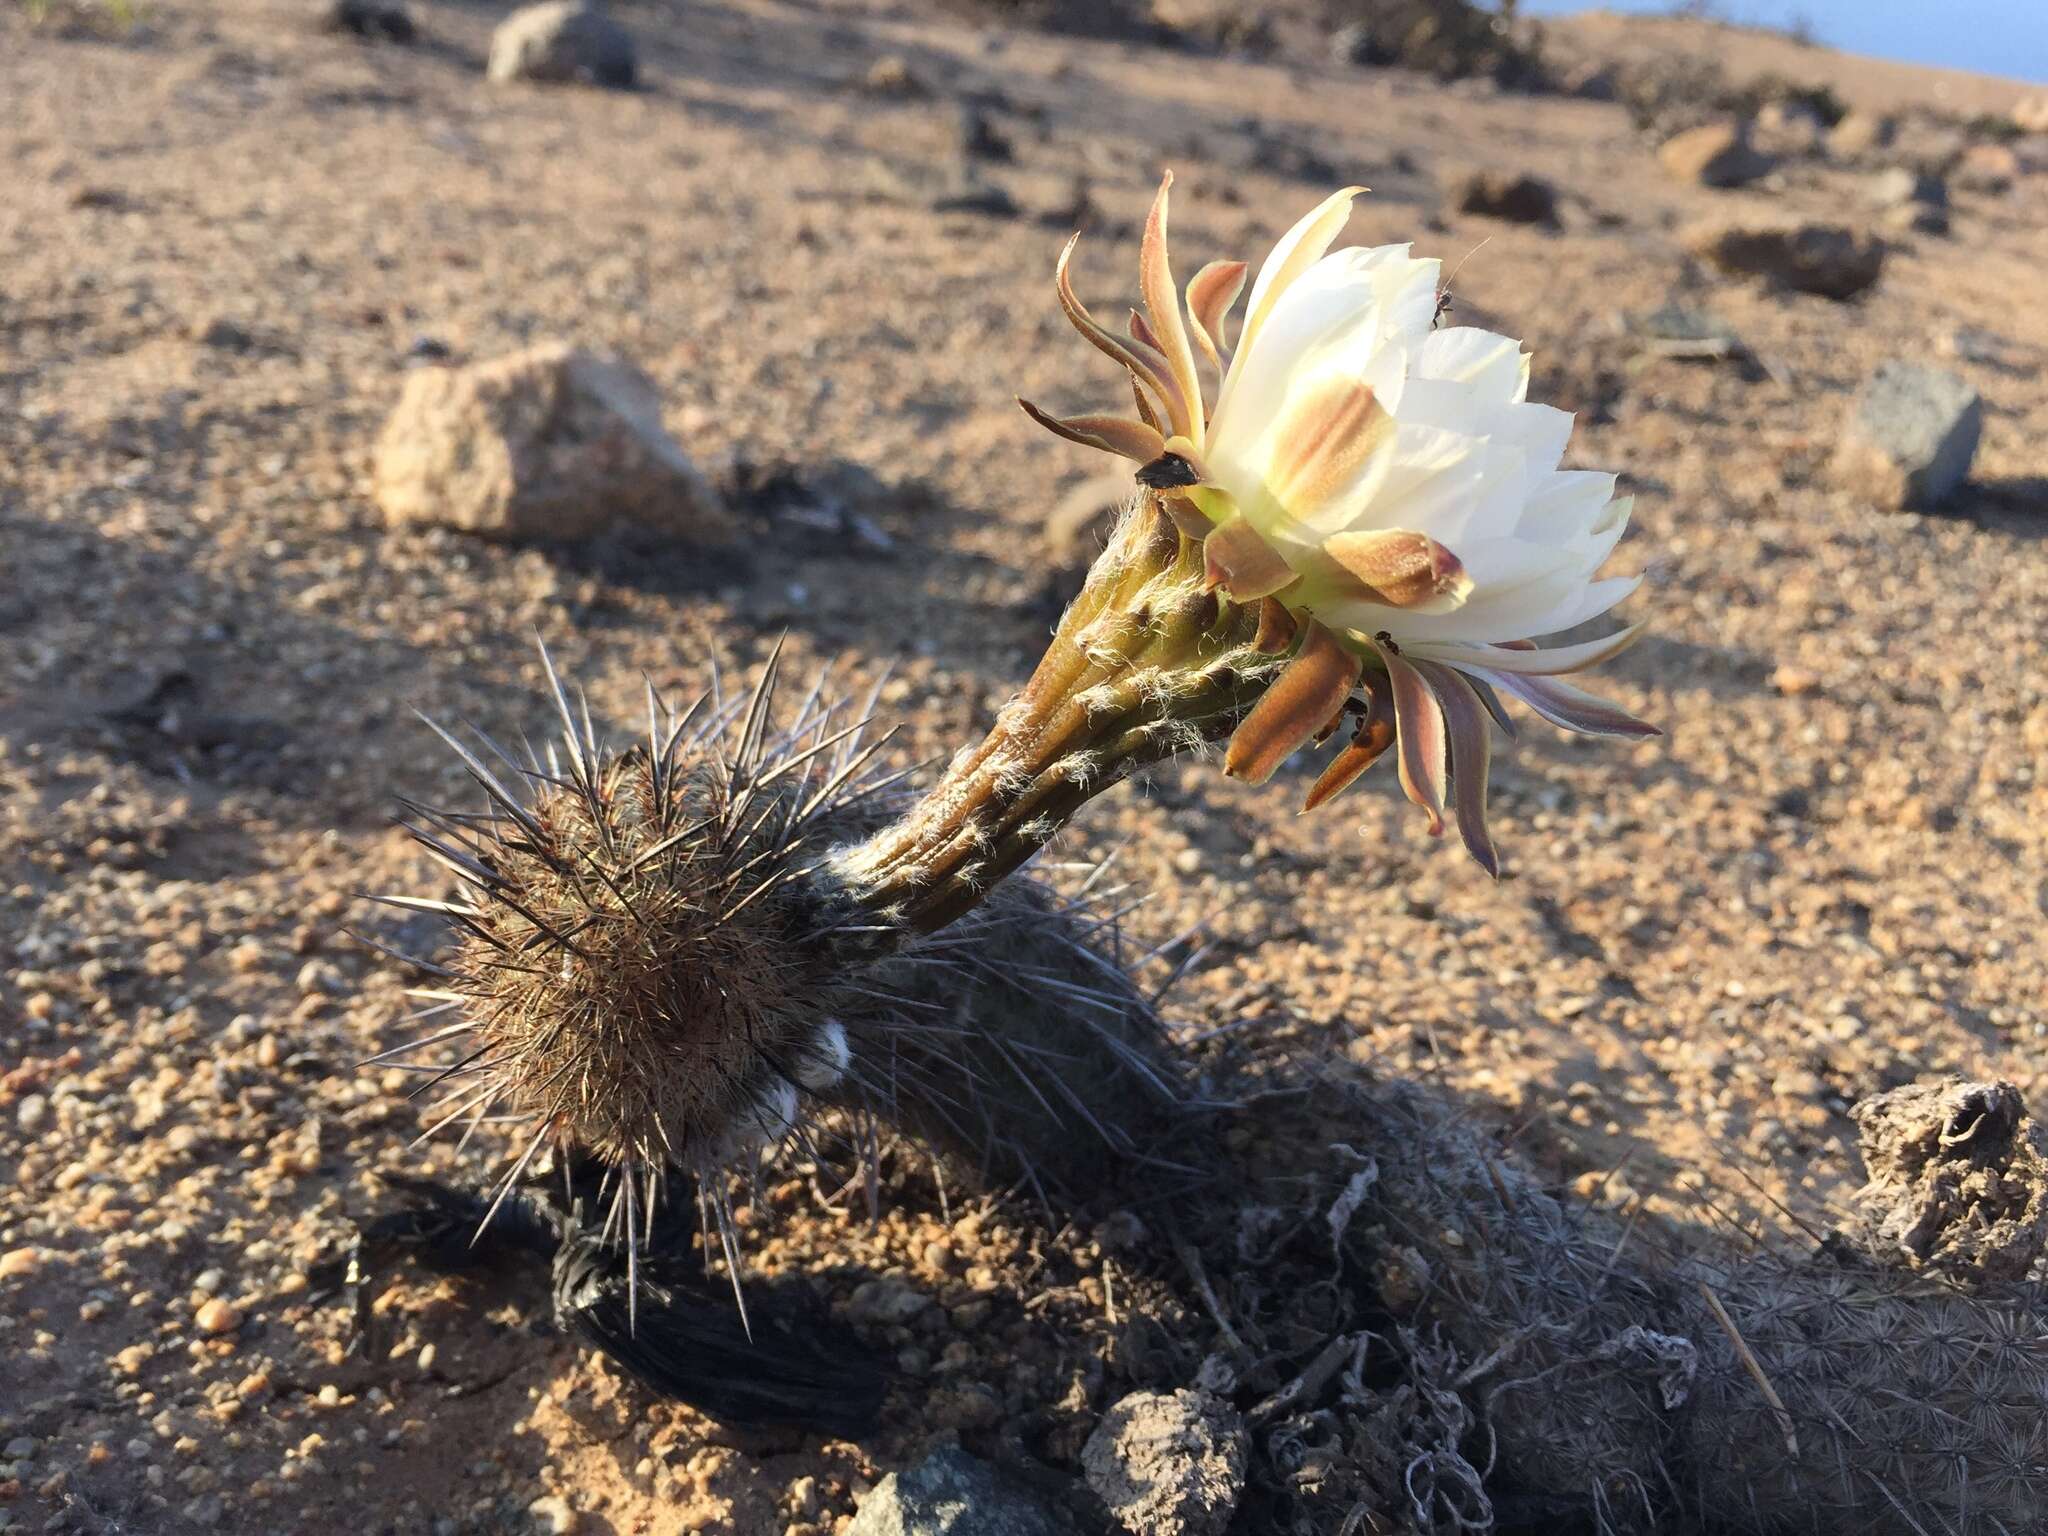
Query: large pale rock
{"points": [[1910, 437], [1168, 1463], [1826, 259], [560, 42], [550, 443], [1714, 155]]}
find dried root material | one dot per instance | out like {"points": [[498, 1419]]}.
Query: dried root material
{"points": [[1958, 1182], [1614, 1389]]}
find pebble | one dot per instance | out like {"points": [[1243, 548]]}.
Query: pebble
{"points": [[31, 1112], [890, 76], [19, 1261], [553, 1514], [217, 1317], [885, 1301]]}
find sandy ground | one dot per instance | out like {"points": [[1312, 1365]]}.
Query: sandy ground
{"points": [[1827, 878]]}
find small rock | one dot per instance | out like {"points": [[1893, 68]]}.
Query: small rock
{"points": [[951, 1493], [1826, 259], [1991, 168], [217, 1317], [1168, 1463], [21, 1448], [1522, 199], [1789, 127], [321, 976], [376, 20], [223, 333], [19, 1261], [1917, 219], [890, 76], [1898, 184], [1859, 133], [552, 1514], [980, 139], [1591, 80], [977, 196], [885, 1301], [553, 442], [1910, 437], [1714, 155], [563, 41], [31, 1112], [1793, 681]]}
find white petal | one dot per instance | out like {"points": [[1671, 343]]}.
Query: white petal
{"points": [[1465, 354], [1295, 252], [1540, 431]]}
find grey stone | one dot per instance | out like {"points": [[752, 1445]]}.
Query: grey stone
{"points": [[563, 41], [1910, 437], [1827, 259], [550, 443], [1168, 1463], [951, 1493]]}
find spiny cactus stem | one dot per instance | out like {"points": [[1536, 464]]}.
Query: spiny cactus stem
{"points": [[1144, 664]]}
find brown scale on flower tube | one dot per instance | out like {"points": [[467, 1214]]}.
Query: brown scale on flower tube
{"points": [[1313, 687]]}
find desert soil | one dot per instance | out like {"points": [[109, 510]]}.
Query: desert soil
{"points": [[225, 237]]}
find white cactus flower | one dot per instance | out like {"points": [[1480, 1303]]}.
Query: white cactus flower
{"points": [[1384, 488]]}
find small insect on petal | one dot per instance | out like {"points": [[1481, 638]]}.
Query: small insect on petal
{"points": [[1237, 558], [1310, 689], [1368, 744], [1112, 434], [1400, 569]]}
